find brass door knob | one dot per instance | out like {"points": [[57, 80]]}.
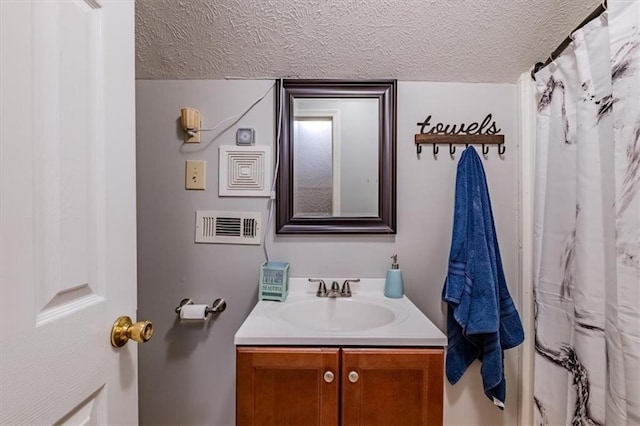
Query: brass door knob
{"points": [[124, 329]]}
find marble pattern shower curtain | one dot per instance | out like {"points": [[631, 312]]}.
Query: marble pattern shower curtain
{"points": [[587, 227]]}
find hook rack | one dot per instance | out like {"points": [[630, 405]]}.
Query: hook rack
{"points": [[452, 140]]}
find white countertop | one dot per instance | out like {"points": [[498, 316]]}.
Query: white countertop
{"points": [[405, 324]]}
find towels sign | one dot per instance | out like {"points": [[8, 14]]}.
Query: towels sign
{"points": [[486, 127]]}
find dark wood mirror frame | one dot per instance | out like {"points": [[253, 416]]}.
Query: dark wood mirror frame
{"points": [[385, 222]]}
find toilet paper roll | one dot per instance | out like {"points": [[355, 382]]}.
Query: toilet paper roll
{"points": [[193, 312]]}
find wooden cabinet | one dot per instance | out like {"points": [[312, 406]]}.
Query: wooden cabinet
{"points": [[392, 387], [333, 386], [287, 386]]}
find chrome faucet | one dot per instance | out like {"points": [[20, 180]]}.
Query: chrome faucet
{"points": [[335, 288], [322, 287], [346, 288]]}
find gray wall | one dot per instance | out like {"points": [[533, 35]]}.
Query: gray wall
{"points": [[187, 372]]}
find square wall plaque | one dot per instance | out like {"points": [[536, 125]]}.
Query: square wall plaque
{"points": [[244, 171]]}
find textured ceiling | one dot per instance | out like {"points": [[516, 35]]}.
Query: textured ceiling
{"points": [[427, 40]]}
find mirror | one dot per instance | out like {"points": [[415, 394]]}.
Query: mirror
{"points": [[336, 170]]}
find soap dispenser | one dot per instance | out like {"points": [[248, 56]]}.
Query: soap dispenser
{"points": [[394, 286]]}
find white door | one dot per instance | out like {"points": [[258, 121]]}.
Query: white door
{"points": [[67, 212]]}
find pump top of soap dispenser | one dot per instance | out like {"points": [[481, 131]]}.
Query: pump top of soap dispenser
{"points": [[395, 265]]}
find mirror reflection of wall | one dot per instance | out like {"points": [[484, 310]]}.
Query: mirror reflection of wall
{"points": [[336, 147], [313, 166]]}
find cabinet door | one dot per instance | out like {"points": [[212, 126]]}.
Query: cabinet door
{"points": [[392, 387], [287, 386]]}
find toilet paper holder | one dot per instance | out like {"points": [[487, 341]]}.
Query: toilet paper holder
{"points": [[216, 307]]}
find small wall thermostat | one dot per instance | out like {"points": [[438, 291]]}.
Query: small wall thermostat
{"points": [[245, 137]]}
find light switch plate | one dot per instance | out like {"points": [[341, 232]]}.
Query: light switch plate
{"points": [[195, 175]]}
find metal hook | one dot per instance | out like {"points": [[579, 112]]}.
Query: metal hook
{"points": [[485, 150], [452, 149], [418, 149], [435, 149], [604, 16], [552, 62], [537, 67], [501, 149]]}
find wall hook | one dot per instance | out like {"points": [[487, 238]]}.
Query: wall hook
{"points": [[501, 149], [435, 149], [452, 149], [418, 149], [485, 149]]}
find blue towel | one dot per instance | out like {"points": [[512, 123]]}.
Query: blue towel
{"points": [[482, 320]]}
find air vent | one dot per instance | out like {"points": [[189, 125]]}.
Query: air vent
{"points": [[228, 227], [244, 171]]}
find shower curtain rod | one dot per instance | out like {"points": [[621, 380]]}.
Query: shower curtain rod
{"points": [[567, 41]]}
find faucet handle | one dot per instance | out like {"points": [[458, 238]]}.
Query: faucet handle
{"points": [[322, 287], [346, 288]]}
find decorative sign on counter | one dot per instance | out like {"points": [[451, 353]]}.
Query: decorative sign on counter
{"points": [[274, 281], [485, 132]]}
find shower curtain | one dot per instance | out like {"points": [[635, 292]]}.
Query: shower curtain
{"points": [[587, 227]]}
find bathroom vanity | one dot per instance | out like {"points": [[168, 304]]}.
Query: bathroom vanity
{"points": [[362, 360]]}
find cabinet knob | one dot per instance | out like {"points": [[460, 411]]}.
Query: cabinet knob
{"points": [[353, 377], [328, 376]]}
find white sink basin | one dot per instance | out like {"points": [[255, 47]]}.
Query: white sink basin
{"points": [[366, 319], [339, 314]]}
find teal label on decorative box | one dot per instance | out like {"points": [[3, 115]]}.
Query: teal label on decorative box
{"points": [[274, 280]]}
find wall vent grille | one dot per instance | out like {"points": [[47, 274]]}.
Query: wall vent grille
{"points": [[244, 171], [219, 227]]}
